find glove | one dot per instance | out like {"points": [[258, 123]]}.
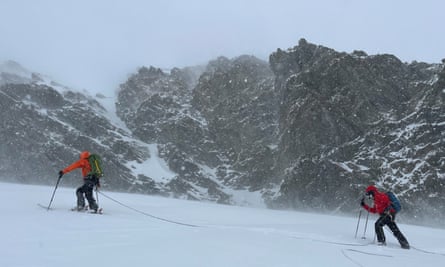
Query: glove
{"points": [[362, 203], [60, 174]]}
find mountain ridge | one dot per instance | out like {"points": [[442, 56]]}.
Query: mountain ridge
{"points": [[307, 130]]}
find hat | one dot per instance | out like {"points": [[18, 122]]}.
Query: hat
{"points": [[84, 155]]}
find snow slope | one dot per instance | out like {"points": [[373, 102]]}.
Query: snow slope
{"points": [[127, 234]]}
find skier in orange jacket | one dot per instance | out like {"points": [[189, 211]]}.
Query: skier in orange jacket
{"points": [[90, 181]]}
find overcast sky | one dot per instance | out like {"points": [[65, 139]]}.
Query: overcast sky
{"points": [[96, 44]]}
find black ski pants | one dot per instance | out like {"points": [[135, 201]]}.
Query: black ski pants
{"points": [[86, 190], [388, 219]]}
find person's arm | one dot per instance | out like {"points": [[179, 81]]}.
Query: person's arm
{"points": [[75, 165], [368, 208]]}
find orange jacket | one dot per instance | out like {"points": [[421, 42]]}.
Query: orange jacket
{"points": [[81, 163]]}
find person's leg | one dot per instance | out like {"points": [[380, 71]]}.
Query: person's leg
{"points": [[398, 234], [80, 198], [379, 230], [89, 185]]}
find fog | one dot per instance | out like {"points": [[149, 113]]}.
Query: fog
{"points": [[95, 45]]}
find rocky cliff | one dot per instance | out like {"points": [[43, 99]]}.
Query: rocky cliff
{"points": [[310, 129], [347, 120]]}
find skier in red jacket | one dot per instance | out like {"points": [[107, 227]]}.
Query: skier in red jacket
{"points": [[90, 181], [382, 206]]}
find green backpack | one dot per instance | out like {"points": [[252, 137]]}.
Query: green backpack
{"points": [[96, 165]]}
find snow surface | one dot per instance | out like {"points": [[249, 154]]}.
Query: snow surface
{"points": [[128, 234]]}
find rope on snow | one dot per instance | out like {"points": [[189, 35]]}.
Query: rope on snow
{"points": [[145, 213]]}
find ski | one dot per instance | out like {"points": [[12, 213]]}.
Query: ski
{"points": [[86, 210], [99, 211], [76, 209], [44, 207]]}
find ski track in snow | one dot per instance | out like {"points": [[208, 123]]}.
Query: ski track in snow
{"points": [[221, 236]]}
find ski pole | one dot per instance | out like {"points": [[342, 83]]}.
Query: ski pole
{"points": [[54, 192], [366, 226], [358, 223], [97, 196]]}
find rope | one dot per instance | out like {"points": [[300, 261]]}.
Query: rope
{"points": [[145, 213], [369, 253], [351, 259], [332, 242], [343, 251], [428, 252]]}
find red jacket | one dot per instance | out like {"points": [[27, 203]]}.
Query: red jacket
{"points": [[81, 163], [381, 201]]}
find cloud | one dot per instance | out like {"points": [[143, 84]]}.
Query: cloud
{"points": [[96, 44]]}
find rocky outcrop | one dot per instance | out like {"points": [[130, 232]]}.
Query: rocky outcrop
{"points": [[213, 130], [310, 129], [348, 120], [44, 130]]}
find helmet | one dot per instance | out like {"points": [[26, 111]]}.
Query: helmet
{"points": [[84, 155], [371, 190]]}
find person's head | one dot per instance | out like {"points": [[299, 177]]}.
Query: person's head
{"points": [[84, 154], [371, 190]]}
